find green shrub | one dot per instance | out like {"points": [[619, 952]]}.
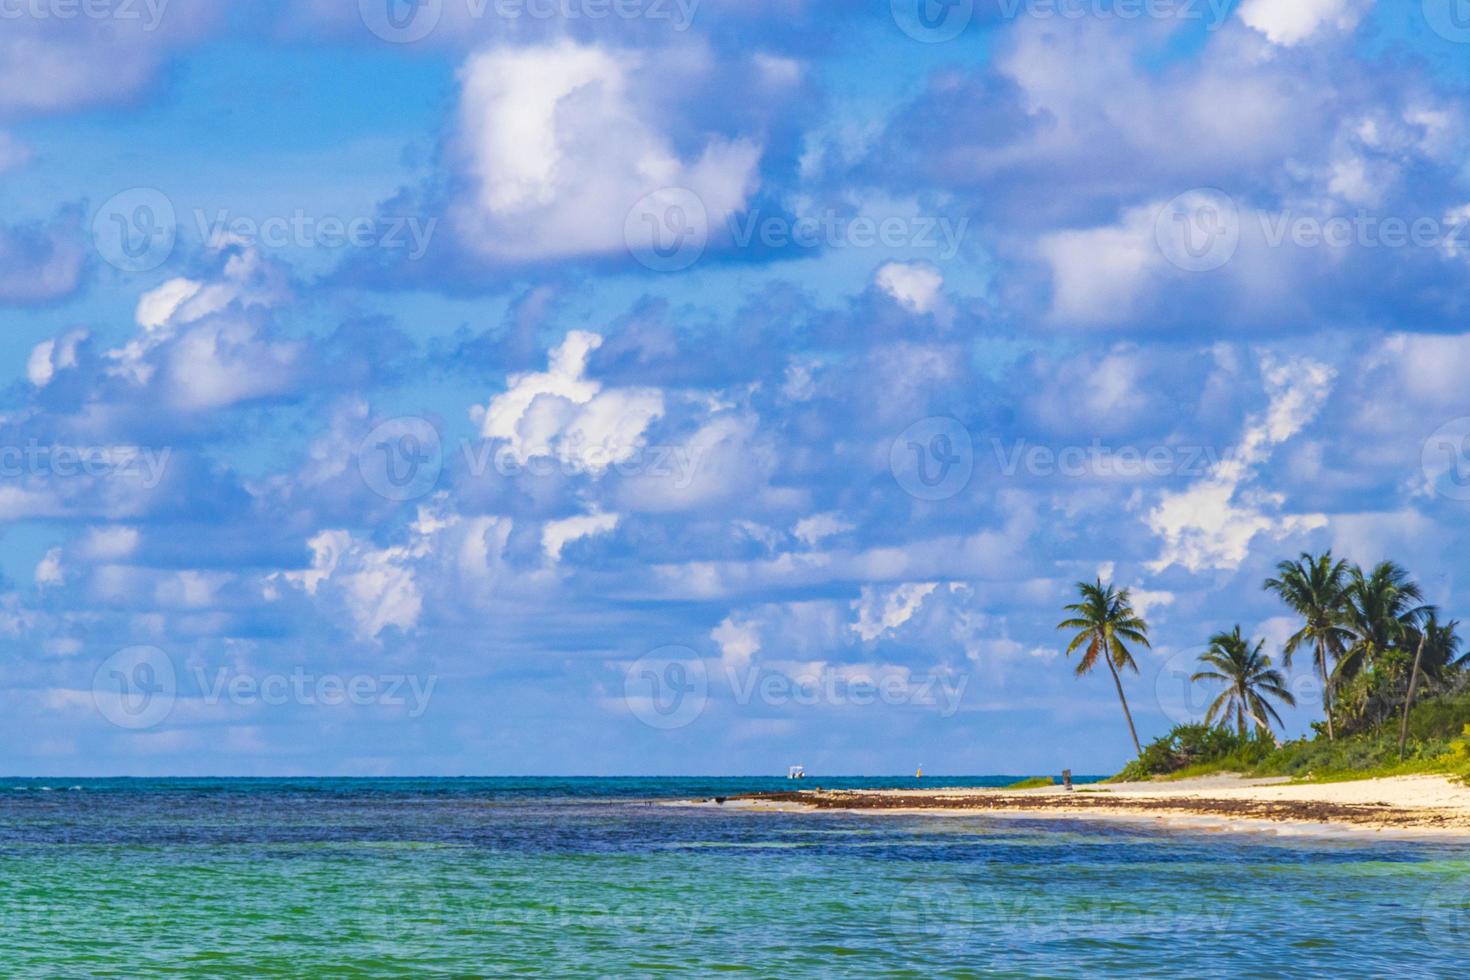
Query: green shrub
{"points": [[1189, 746], [1439, 741], [1034, 782]]}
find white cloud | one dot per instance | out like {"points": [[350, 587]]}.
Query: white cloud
{"points": [[109, 543], [160, 305], [1212, 523], [738, 641], [559, 412], [1093, 392], [56, 63], [1429, 369], [1144, 600], [1289, 22], [812, 530], [556, 535], [377, 586], [50, 356], [1100, 273], [915, 285], [203, 344], [457, 560], [48, 569], [882, 611], [560, 149]]}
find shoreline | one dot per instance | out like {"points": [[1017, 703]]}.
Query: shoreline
{"points": [[1399, 806]]}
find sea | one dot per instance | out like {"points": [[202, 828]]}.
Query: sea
{"points": [[603, 877]]}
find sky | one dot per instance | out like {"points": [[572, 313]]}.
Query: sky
{"points": [[678, 387]]}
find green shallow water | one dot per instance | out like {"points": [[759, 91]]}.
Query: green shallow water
{"points": [[502, 877]]}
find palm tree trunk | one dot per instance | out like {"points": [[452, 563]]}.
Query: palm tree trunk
{"points": [[1326, 688], [1240, 719], [1409, 701], [1117, 681]]}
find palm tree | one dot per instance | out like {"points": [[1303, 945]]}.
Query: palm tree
{"points": [[1384, 609], [1249, 680], [1104, 619], [1316, 589], [1443, 649], [1441, 644]]}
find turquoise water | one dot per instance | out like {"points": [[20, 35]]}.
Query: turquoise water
{"points": [[489, 877]]}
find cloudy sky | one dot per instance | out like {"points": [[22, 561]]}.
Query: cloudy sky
{"points": [[502, 386]]}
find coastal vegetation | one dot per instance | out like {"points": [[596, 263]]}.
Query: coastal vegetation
{"points": [[1033, 782], [1395, 684]]}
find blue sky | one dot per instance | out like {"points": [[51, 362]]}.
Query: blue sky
{"points": [[702, 388]]}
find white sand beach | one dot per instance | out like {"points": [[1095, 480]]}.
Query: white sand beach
{"points": [[1400, 805]]}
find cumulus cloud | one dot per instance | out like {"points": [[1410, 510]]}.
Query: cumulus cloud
{"points": [[914, 284], [1212, 523], [556, 535], [1291, 23], [205, 345], [49, 569], [739, 641], [562, 413], [53, 64], [376, 585], [881, 611], [50, 356], [558, 145]]}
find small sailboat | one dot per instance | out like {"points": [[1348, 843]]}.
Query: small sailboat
{"points": [[795, 772], [920, 773]]}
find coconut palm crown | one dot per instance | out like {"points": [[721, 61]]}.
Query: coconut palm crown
{"points": [[1249, 681]]}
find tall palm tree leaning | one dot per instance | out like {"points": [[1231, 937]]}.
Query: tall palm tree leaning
{"points": [[1249, 680], [1442, 645], [1316, 589], [1104, 619]]}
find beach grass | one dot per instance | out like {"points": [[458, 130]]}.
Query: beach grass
{"points": [[1033, 782]]}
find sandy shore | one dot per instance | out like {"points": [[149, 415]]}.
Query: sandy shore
{"points": [[1400, 806]]}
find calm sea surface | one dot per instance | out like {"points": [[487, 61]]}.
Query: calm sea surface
{"points": [[490, 877]]}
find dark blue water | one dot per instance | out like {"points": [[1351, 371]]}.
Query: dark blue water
{"points": [[492, 877]]}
